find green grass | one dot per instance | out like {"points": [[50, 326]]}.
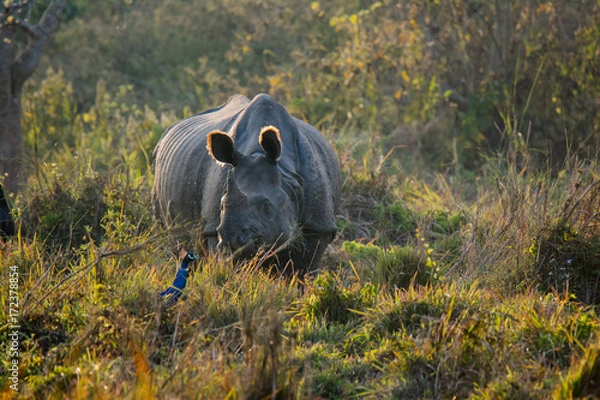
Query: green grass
{"points": [[437, 286], [461, 306]]}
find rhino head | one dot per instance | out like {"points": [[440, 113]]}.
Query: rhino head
{"points": [[259, 208]]}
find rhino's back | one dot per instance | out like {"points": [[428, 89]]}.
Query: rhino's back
{"points": [[184, 171]]}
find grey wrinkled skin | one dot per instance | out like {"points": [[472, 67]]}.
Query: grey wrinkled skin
{"points": [[253, 177]]}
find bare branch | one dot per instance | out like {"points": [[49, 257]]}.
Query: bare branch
{"points": [[52, 16], [25, 27], [26, 63]]}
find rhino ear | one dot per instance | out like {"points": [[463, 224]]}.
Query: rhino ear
{"points": [[270, 140], [220, 146]]}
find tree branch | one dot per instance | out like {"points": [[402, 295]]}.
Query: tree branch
{"points": [[27, 28], [51, 19], [26, 63]]}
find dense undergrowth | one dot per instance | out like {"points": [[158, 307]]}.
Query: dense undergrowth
{"points": [[433, 289], [467, 261]]}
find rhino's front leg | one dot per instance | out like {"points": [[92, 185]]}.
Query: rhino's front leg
{"points": [[306, 255], [211, 242]]}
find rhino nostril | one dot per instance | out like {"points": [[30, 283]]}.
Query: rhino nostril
{"points": [[232, 242], [243, 240], [240, 241]]}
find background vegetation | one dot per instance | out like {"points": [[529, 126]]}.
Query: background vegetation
{"points": [[467, 263]]}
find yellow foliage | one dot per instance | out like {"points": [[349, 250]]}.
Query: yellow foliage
{"points": [[274, 81], [404, 76], [89, 117]]}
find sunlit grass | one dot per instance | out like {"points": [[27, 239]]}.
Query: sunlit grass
{"points": [[457, 307], [437, 286]]}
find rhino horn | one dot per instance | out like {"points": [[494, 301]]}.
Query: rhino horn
{"points": [[233, 191]]}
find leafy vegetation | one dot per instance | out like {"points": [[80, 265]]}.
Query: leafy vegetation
{"points": [[467, 263]]}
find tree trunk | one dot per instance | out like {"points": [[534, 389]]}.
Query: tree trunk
{"points": [[12, 146], [14, 71]]}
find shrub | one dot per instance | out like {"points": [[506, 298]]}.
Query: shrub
{"points": [[583, 378], [391, 267], [68, 213], [331, 297], [568, 262], [567, 252]]}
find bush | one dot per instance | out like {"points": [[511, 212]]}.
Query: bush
{"points": [[394, 267], [332, 298], [568, 262], [68, 214], [567, 253]]}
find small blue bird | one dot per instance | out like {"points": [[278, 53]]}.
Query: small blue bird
{"points": [[173, 293]]}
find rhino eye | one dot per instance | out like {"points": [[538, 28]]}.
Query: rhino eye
{"points": [[265, 207]]}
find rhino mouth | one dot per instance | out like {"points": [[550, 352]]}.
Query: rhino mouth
{"points": [[256, 246], [241, 245]]}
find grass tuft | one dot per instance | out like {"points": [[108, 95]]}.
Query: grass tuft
{"points": [[425, 295]]}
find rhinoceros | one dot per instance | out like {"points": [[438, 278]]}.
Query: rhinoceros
{"points": [[253, 177]]}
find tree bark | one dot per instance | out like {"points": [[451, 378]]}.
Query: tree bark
{"points": [[14, 71]]}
